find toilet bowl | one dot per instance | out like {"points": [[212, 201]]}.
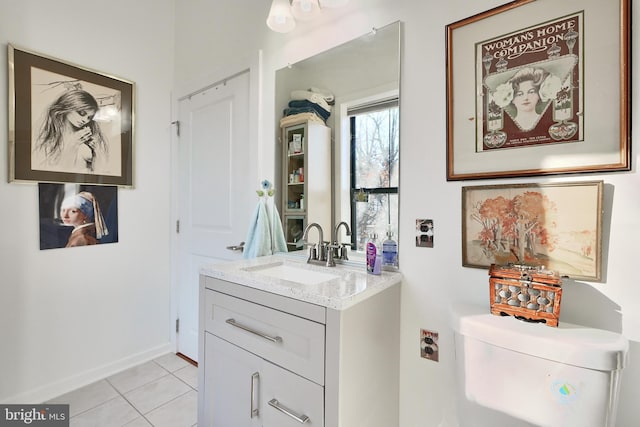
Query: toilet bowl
{"points": [[513, 373]]}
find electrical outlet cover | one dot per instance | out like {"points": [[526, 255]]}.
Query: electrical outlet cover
{"points": [[429, 345], [424, 233]]}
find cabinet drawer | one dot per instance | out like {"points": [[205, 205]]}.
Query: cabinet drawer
{"points": [[282, 338]]}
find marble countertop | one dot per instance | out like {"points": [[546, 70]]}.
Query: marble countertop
{"points": [[337, 287]]}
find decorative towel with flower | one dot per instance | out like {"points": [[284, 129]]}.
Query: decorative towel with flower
{"points": [[529, 293]]}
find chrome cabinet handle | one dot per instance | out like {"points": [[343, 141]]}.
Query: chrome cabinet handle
{"points": [[233, 322], [299, 418], [255, 377]]}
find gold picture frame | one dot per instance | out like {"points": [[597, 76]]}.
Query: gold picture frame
{"points": [[572, 117], [557, 225]]}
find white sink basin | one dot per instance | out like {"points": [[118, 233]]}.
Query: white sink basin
{"points": [[292, 272]]}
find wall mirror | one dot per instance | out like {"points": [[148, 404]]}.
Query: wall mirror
{"points": [[360, 82]]}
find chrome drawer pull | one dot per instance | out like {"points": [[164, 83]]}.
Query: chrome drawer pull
{"points": [[233, 322], [299, 418], [255, 377]]}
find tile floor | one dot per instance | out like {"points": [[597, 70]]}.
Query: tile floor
{"points": [[159, 393]]}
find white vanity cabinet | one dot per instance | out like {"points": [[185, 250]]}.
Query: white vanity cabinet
{"points": [[275, 361]]}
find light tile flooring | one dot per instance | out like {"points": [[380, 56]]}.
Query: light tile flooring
{"points": [[159, 393]]}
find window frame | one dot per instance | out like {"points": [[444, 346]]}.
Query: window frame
{"points": [[352, 112]]}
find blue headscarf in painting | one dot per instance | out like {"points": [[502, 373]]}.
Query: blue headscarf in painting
{"points": [[88, 205], [79, 202]]}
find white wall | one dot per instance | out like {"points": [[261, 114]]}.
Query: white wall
{"points": [[68, 316], [434, 278]]}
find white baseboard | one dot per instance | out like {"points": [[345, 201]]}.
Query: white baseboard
{"points": [[49, 391]]}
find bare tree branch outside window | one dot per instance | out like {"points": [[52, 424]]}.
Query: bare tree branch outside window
{"points": [[375, 169]]}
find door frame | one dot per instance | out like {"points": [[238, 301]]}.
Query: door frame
{"points": [[256, 112]]}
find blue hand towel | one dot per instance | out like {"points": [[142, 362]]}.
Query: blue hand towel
{"points": [[265, 235], [258, 241], [278, 241]]}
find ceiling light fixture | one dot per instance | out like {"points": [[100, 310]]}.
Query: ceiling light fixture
{"points": [[280, 18], [305, 10], [283, 14]]}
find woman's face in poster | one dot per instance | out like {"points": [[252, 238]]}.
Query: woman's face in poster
{"points": [[72, 216], [81, 118], [526, 97]]}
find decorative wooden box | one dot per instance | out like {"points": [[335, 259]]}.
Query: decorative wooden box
{"points": [[529, 293]]}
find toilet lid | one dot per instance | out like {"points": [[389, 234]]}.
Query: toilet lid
{"points": [[570, 344]]}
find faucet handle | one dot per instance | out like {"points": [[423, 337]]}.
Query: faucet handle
{"points": [[323, 249], [330, 253], [343, 251], [313, 251]]}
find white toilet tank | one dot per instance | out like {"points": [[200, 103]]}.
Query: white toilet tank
{"points": [[564, 376]]}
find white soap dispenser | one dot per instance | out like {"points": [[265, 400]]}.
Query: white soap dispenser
{"points": [[390, 252]]}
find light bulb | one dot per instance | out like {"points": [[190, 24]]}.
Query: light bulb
{"points": [[305, 10], [280, 18]]}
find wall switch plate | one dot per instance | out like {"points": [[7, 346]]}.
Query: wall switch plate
{"points": [[429, 345]]}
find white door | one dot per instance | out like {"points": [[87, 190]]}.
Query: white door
{"points": [[216, 195]]}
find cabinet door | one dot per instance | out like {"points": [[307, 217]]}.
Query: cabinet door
{"points": [[244, 390], [289, 400], [231, 385]]}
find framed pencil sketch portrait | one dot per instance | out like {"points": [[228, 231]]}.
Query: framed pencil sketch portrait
{"points": [[68, 123], [558, 226], [539, 87]]}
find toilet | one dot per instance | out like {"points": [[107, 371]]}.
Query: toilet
{"points": [[512, 373]]}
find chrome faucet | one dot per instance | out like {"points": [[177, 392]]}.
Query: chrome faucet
{"points": [[316, 251], [341, 247]]}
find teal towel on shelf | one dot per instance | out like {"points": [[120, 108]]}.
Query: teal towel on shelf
{"points": [[265, 235]]}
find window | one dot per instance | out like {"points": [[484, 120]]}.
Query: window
{"points": [[375, 166]]}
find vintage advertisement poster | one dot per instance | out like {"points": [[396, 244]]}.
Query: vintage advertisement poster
{"points": [[529, 86]]}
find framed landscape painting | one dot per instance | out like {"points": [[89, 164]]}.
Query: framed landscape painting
{"points": [[558, 226]]}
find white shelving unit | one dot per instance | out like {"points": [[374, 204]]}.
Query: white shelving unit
{"points": [[306, 177]]}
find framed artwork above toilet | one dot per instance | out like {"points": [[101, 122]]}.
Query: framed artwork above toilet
{"points": [[556, 225]]}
